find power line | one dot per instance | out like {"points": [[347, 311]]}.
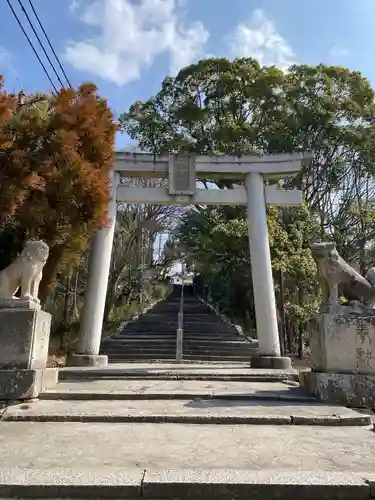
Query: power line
{"points": [[49, 42], [40, 42], [31, 45]]}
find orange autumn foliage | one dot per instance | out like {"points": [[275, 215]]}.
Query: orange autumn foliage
{"points": [[56, 153]]}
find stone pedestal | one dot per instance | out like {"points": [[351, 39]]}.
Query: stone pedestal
{"points": [[343, 357], [24, 340]]}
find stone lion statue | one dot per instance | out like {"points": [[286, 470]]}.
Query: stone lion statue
{"points": [[25, 272], [337, 278]]}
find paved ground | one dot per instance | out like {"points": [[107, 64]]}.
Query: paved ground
{"points": [[176, 446]]}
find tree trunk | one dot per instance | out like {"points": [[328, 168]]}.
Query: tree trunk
{"points": [[75, 313], [110, 300], [300, 341], [49, 272], [282, 334], [68, 283]]}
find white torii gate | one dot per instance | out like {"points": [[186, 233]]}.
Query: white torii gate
{"points": [[183, 172]]}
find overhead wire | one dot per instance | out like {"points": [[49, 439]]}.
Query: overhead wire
{"points": [[49, 42], [31, 45], [40, 42]]}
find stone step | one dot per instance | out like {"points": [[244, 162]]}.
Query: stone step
{"points": [[141, 356], [130, 333], [140, 339], [168, 346], [171, 354], [176, 389], [188, 335], [200, 344], [123, 358], [127, 350], [118, 343], [173, 371], [186, 353], [226, 345], [188, 307], [162, 326], [188, 341], [189, 411], [123, 346], [144, 356], [217, 357], [135, 349], [143, 341], [114, 482], [199, 326], [193, 317], [171, 330], [171, 357]]}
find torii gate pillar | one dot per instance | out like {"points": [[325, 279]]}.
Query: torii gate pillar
{"points": [[261, 271], [90, 333]]}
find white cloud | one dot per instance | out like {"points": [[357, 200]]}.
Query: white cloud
{"points": [[338, 52], [130, 36], [259, 38], [74, 6]]}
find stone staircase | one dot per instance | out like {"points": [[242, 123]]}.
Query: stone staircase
{"points": [[181, 432], [152, 337]]}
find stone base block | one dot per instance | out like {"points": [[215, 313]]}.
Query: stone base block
{"points": [[342, 341], [271, 362], [24, 338], [18, 384], [348, 389], [96, 360]]}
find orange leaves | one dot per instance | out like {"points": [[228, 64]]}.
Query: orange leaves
{"points": [[55, 156]]}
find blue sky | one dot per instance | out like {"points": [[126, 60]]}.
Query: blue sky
{"points": [[127, 46]]}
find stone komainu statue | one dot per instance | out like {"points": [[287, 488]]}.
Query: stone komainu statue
{"points": [[25, 272], [337, 278]]}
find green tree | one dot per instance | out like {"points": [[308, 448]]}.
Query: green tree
{"points": [[238, 107], [217, 240]]}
